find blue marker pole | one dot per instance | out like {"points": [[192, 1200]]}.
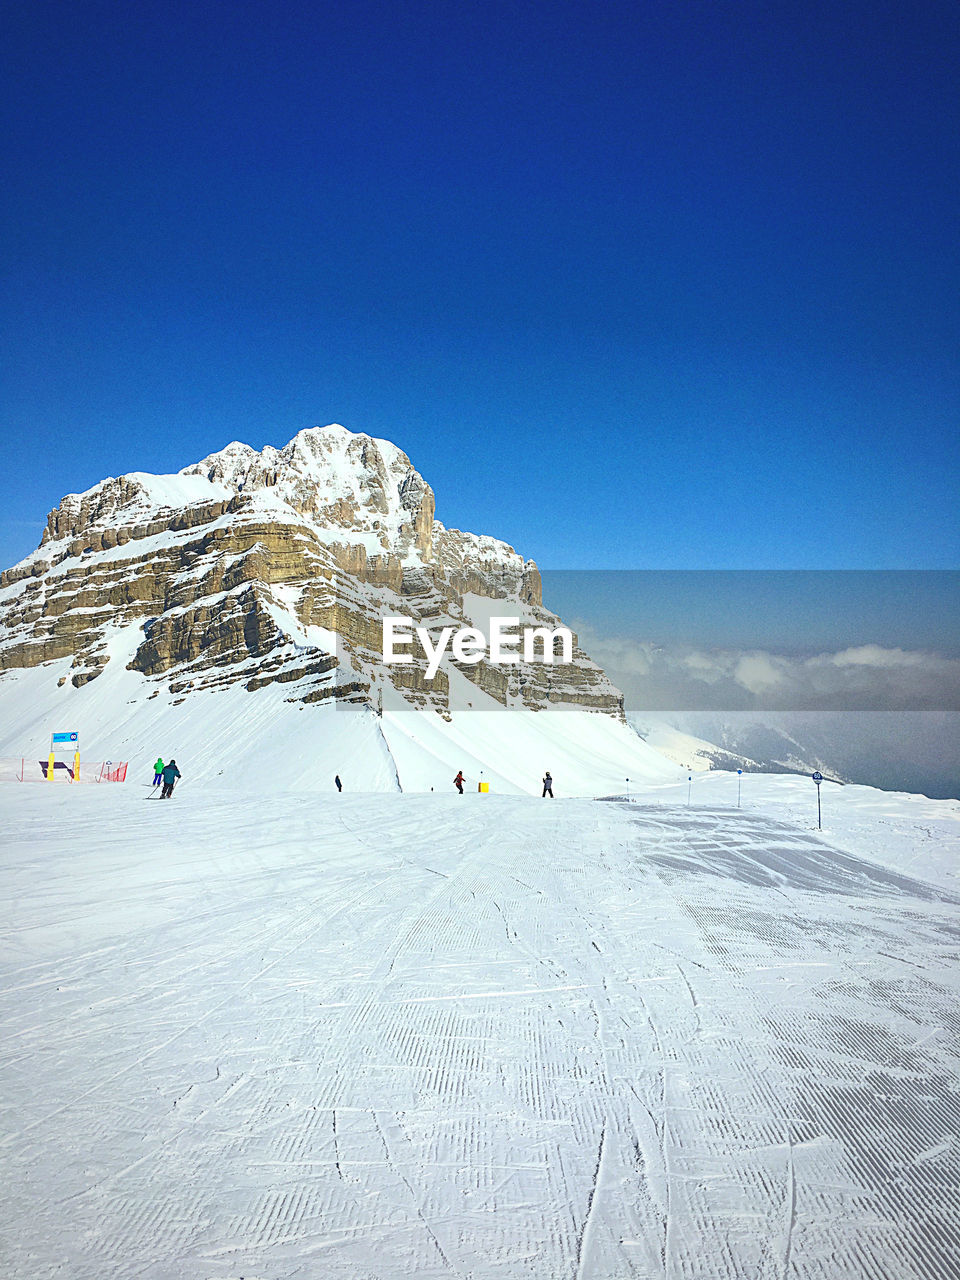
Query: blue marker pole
{"points": [[689, 785], [739, 776]]}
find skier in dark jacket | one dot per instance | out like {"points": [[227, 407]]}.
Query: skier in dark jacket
{"points": [[170, 774], [458, 782], [547, 785], [337, 783]]}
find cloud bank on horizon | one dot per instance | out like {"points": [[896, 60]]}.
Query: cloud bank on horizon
{"points": [[866, 677]]}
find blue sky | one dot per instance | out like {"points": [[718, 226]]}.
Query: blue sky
{"points": [[799, 613], [640, 286]]}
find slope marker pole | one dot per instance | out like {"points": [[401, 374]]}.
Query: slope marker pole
{"points": [[818, 778]]}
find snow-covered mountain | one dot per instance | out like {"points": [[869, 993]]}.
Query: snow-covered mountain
{"points": [[912, 751], [758, 748], [251, 586], [246, 565]]}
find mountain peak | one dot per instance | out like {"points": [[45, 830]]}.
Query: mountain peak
{"points": [[276, 566]]}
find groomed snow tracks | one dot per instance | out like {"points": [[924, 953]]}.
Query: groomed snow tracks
{"points": [[483, 1038]]}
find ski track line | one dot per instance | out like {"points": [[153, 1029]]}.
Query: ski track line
{"points": [[790, 1202], [583, 1243], [382, 1122]]}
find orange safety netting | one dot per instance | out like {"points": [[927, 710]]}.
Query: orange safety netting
{"points": [[33, 769]]}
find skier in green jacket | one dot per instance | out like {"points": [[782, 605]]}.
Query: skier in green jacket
{"points": [[157, 771]]}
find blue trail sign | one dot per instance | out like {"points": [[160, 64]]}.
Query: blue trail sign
{"points": [[818, 778]]}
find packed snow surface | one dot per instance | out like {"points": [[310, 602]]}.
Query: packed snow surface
{"points": [[275, 1035]]}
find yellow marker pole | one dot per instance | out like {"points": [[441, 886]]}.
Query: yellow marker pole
{"points": [[76, 767], [50, 768]]}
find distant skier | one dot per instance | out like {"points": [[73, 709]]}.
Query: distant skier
{"points": [[170, 773], [458, 782], [547, 785], [338, 783], [157, 771]]}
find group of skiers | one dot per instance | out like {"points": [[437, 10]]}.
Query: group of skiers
{"points": [[547, 783], [166, 774]]}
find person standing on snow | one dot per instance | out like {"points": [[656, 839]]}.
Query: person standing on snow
{"points": [[547, 785], [170, 774], [337, 783], [157, 771], [458, 782]]}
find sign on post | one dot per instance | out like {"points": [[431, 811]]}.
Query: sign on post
{"points": [[63, 742], [818, 778]]}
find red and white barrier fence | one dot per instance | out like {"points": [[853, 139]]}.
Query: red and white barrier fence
{"points": [[35, 769]]}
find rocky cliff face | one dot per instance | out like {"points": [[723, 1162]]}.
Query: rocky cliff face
{"points": [[277, 566]]}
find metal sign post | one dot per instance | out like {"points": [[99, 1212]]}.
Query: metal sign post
{"points": [[818, 778]]}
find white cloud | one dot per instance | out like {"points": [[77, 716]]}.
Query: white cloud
{"points": [[873, 655], [761, 672], [863, 677]]}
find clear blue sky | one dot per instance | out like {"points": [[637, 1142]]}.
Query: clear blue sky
{"points": [[795, 612], [636, 285]]}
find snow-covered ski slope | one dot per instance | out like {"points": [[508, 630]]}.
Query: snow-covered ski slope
{"points": [[262, 740], [375, 1036]]}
